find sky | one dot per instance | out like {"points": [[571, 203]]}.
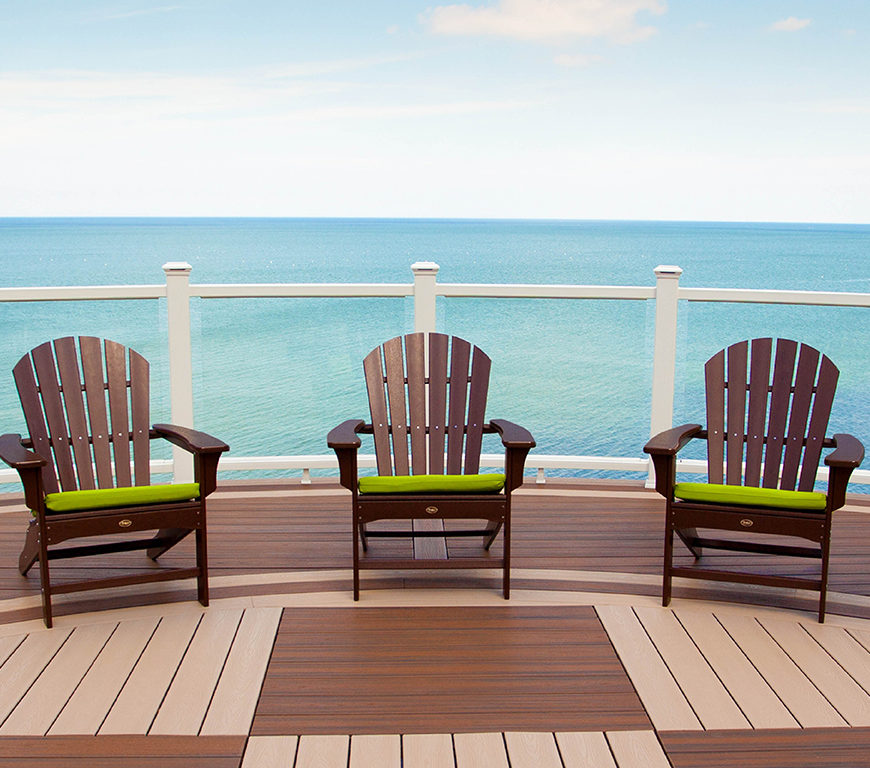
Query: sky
{"points": [[714, 110]]}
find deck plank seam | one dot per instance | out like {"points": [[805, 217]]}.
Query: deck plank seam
{"points": [[174, 675], [863, 687], [220, 675], [803, 672]]}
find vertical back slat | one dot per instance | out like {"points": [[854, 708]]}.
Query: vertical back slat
{"points": [[826, 386], [714, 379], [416, 362], [437, 401], [95, 391], [378, 407], [759, 390], [140, 412], [116, 376], [25, 382], [71, 382], [805, 378], [46, 375], [480, 368], [736, 411], [394, 364], [459, 358], [780, 399]]}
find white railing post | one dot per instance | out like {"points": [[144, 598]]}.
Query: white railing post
{"points": [[425, 278], [664, 352], [180, 362]]}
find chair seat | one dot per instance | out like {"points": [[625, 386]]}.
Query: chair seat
{"points": [[104, 498], [487, 483], [748, 496]]}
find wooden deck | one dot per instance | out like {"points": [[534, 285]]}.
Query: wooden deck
{"points": [[581, 667]]}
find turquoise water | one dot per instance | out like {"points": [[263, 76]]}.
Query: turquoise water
{"points": [[272, 376]]}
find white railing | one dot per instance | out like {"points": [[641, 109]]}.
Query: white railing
{"points": [[425, 290]]}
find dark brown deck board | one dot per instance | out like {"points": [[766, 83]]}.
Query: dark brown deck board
{"points": [[122, 751], [788, 748], [444, 670]]}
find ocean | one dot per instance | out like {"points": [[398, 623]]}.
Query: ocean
{"points": [[272, 376]]}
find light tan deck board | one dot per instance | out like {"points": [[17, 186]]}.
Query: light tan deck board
{"points": [[322, 752], [844, 694], [585, 750], [232, 707], [184, 707], [662, 698], [373, 751], [480, 750], [25, 665], [137, 704], [845, 649], [8, 645], [802, 698], [270, 752], [532, 750], [711, 702], [756, 699], [637, 749], [424, 750], [49, 693], [92, 700]]}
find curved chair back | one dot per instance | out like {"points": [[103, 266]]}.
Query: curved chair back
{"points": [[768, 411], [427, 395], [85, 404]]}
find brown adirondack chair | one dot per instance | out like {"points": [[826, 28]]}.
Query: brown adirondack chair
{"points": [[767, 415], [422, 396], [76, 464]]}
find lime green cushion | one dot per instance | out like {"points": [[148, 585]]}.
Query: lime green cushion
{"points": [[749, 497], [76, 501], [488, 483]]}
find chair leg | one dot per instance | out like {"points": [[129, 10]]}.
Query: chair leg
{"points": [[45, 584], [688, 536], [174, 534], [823, 587], [356, 545], [363, 538], [506, 559], [202, 566], [30, 553], [668, 560], [489, 537]]}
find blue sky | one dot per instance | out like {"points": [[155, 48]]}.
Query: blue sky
{"points": [[582, 109]]}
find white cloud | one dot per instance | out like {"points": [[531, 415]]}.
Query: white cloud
{"points": [[548, 20], [577, 60], [791, 24]]}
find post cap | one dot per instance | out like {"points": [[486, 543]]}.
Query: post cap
{"points": [[176, 266], [425, 267], [668, 270]]}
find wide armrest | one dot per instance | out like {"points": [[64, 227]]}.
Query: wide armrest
{"points": [[669, 442], [345, 434], [512, 435], [17, 456], [848, 452], [190, 439]]}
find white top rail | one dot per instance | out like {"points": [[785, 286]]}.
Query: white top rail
{"points": [[756, 296], [84, 293], [301, 290], [544, 291]]}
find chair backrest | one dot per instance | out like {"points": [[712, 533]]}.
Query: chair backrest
{"points": [[85, 402], [775, 406], [423, 387]]}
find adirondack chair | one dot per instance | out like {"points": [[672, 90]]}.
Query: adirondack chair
{"points": [[422, 394], [64, 387], [767, 415]]}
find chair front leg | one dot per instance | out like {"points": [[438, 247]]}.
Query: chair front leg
{"points": [[668, 558]]}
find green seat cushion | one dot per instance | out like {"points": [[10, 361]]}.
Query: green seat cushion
{"points": [[747, 496], [104, 498], [488, 483]]}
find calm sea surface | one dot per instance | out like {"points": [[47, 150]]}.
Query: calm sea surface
{"points": [[272, 376]]}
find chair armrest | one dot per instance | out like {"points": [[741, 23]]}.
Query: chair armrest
{"points": [[848, 452], [190, 439], [669, 442], [512, 435], [345, 434], [846, 456], [17, 456]]}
